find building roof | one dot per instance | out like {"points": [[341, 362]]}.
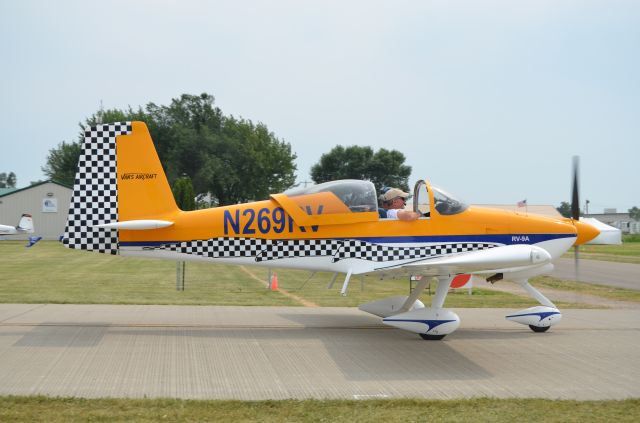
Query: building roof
{"points": [[4, 191], [15, 190]]}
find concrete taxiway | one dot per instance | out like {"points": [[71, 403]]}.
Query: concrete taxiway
{"points": [[254, 353], [620, 275]]}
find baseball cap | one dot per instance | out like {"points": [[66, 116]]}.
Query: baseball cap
{"points": [[393, 193]]}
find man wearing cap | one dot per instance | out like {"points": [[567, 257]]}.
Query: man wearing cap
{"points": [[393, 202]]}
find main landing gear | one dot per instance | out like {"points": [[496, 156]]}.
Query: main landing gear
{"points": [[435, 322], [539, 318], [409, 313]]}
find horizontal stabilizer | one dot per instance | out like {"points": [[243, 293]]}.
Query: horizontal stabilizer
{"points": [[136, 225]]}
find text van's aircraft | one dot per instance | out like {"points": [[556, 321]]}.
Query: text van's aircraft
{"points": [[122, 204], [24, 226]]}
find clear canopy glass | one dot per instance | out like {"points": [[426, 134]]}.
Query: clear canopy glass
{"points": [[446, 204], [356, 195]]}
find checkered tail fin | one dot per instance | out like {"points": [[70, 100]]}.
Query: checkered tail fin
{"points": [[119, 178]]}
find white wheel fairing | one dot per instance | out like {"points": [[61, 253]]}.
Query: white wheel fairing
{"points": [[539, 316], [427, 321]]}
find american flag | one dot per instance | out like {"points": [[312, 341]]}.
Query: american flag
{"points": [[522, 203]]}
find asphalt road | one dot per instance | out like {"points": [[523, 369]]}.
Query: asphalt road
{"points": [[621, 275], [256, 353]]}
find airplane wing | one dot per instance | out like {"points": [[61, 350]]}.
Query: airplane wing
{"points": [[7, 230], [493, 259]]}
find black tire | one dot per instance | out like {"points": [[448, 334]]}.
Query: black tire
{"points": [[431, 337], [539, 329]]}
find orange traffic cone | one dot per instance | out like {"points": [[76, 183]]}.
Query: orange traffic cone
{"points": [[274, 282]]}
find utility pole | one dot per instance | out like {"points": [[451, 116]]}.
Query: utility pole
{"points": [[100, 113]]}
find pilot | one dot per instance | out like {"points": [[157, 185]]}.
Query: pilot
{"points": [[393, 202]]}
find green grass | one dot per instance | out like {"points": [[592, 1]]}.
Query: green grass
{"points": [[603, 291], [362, 290], [54, 410], [631, 238], [627, 252], [50, 273]]}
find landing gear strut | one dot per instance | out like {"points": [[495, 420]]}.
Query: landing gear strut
{"points": [[409, 313], [432, 323], [539, 318]]}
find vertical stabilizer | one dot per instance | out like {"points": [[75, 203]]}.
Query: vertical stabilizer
{"points": [[25, 224], [119, 178], [95, 194], [143, 189]]}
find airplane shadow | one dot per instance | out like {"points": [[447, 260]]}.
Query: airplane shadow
{"points": [[67, 335], [361, 347]]}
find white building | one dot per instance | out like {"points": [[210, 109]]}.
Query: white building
{"points": [[622, 221], [47, 202]]}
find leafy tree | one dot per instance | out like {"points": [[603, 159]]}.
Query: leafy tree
{"points": [[8, 180], [634, 213], [383, 168], [388, 169], [228, 160], [564, 209], [183, 193], [62, 162]]}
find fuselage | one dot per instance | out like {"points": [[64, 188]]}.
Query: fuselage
{"points": [[249, 233], [123, 204]]}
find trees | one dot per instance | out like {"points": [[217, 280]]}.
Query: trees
{"points": [[564, 209], [634, 213], [383, 168], [62, 162], [183, 193], [227, 159], [8, 180]]}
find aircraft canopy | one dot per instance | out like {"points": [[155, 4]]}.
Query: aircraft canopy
{"points": [[331, 203], [355, 195]]}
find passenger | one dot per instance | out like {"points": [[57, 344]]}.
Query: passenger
{"points": [[393, 202]]}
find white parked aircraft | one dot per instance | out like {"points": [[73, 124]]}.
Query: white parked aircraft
{"points": [[25, 226]]}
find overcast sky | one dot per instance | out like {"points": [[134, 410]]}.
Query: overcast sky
{"points": [[487, 99]]}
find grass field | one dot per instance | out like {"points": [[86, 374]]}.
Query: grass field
{"points": [[602, 291], [54, 410], [627, 252], [50, 273]]}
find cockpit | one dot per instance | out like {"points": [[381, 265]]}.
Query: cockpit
{"points": [[354, 196], [446, 204], [443, 202]]}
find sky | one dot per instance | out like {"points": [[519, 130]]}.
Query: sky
{"points": [[486, 99]]}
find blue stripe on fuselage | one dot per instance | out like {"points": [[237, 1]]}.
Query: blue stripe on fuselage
{"points": [[493, 238], [506, 239]]}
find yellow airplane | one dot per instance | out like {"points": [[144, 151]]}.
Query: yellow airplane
{"points": [[122, 204]]}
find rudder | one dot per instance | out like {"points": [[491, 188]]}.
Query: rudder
{"points": [[111, 186]]}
